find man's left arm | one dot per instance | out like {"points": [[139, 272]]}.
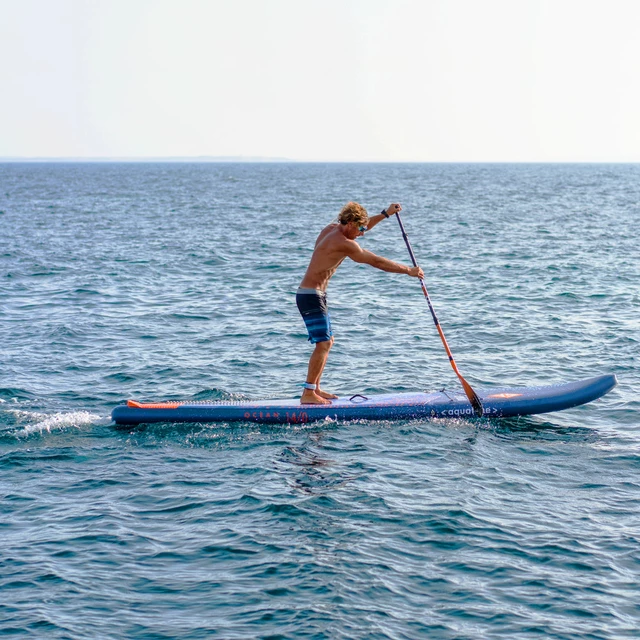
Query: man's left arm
{"points": [[391, 210]]}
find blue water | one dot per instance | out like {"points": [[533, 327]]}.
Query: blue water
{"points": [[163, 281]]}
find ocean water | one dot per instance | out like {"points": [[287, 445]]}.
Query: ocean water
{"points": [[164, 281]]}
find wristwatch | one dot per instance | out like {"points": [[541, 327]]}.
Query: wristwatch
{"points": [[384, 213]]}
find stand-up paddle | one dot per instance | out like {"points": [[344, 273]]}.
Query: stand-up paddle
{"points": [[471, 394]]}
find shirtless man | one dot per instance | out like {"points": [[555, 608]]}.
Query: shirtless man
{"points": [[335, 243]]}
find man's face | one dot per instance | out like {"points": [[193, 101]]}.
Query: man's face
{"points": [[357, 229]]}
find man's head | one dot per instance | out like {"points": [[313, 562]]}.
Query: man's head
{"points": [[352, 217], [353, 212]]}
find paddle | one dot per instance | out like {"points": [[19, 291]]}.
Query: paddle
{"points": [[471, 394]]}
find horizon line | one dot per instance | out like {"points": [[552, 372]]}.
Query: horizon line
{"points": [[267, 160]]}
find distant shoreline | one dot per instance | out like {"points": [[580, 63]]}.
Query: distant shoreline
{"points": [[149, 159], [261, 160]]}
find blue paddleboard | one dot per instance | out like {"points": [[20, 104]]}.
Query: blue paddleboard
{"points": [[498, 403]]}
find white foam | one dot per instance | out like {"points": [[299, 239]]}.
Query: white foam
{"points": [[55, 422]]}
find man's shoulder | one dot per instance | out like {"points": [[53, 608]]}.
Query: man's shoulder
{"points": [[343, 245], [329, 235], [330, 227]]}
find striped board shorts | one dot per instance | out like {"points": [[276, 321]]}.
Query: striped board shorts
{"points": [[312, 304]]}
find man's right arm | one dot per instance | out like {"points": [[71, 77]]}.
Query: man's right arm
{"points": [[358, 254]]}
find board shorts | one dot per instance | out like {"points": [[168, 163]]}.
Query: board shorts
{"points": [[312, 304]]}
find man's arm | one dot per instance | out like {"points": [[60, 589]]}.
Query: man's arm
{"points": [[392, 209], [358, 254]]}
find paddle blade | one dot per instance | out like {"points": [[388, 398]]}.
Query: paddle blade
{"points": [[473, 398]]}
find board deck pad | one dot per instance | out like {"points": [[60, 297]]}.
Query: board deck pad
{"points": [[497, 402]]}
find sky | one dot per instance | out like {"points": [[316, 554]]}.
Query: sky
{"points": [[322, 80]]}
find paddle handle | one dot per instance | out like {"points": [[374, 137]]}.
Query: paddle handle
{"points": [[424, 286], [406, 240]]}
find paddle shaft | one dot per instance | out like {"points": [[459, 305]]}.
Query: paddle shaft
{"points": [[471, 394]]}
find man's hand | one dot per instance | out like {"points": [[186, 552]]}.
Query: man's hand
{"points": [[416, 272], [393, 208]]}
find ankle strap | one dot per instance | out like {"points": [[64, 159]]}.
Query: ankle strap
{"points": [[308, 385]]}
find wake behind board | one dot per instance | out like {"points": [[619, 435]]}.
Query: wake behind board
{"points": [[500, 402]]}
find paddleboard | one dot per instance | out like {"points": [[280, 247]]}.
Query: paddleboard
{"points": [[497, 402]]}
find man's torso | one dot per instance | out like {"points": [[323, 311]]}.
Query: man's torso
{"points": [[328, 254]]}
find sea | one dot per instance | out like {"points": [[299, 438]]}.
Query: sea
{"points": [[164, 281]]}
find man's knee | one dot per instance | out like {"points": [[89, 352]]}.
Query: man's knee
{"points": [[325, 345]]}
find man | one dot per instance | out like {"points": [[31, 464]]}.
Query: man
{"points": [[335, 243]]}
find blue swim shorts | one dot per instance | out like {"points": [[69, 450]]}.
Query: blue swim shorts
{"points": [[312, 304]]}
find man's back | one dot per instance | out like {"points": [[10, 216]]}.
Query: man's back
{"points": [[330, 250]]}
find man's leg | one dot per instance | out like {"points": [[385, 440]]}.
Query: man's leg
{"points": [[325, 394], [316, 367]]}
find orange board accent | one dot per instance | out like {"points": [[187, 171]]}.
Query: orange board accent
{"points": [[153, 405], [505, 395]]}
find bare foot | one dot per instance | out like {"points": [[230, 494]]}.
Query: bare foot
{"points": [[310, 397], [326, 394]]}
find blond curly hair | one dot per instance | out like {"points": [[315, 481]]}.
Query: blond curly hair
{"points": [[353, 212]]}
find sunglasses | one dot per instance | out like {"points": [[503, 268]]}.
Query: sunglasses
{"points": [[362, 229]]}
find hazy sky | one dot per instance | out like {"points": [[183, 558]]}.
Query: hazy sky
{"points": [[395, 80]]}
